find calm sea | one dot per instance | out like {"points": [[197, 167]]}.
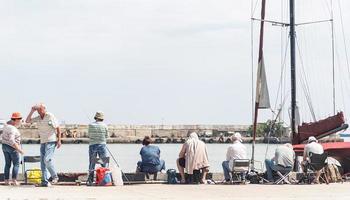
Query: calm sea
{"points": [[74, 157]]}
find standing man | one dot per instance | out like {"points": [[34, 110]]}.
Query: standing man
{"points": [[235, 151], [50, 138], [98, 134]]}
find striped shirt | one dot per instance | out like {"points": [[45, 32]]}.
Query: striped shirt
{"points": [[46, 127], [10, 135], [98, 133]]}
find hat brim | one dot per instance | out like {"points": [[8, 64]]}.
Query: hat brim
{"points": [[16, 118]]}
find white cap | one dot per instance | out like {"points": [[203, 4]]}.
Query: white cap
{"points": [[311, 139], [237, 136]]}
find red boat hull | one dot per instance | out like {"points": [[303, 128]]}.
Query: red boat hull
{"points": [[337, 150]]}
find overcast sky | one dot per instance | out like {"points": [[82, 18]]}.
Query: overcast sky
{"points": [[155, 61]]}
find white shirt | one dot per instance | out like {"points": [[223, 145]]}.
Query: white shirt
{"points": [[313, 147], [10, 135], [46, 127], [236, 151]]}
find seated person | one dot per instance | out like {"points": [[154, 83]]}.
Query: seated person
{"points": [[313, 147], [193, 156], [235, 151], [150, 155], [282, 162]]}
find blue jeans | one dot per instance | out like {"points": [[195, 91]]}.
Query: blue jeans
{"points": [[46, 161], [271, 167], [227, 171], [95, 150], [149, 168], [11, 157]]}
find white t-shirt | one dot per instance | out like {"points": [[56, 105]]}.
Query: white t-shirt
{"points": [[10, 135], [46, 127], [313, 147], [236, 151]]}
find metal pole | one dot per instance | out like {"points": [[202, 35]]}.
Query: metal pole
{"points": [[292, 63]]}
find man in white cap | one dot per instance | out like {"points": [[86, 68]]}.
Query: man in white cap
{"points": [[235, 151], [50, 138], [313, 147], [98, 134], [282, 162]]}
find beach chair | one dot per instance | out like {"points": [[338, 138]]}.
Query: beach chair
{"points": [[240, 169], [30, 159]]}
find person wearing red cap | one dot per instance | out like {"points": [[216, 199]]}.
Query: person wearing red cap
{"points": [[11, 139]]}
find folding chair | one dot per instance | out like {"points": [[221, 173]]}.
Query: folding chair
{"points": [[29, 159], [283, 176], [317, 163], [240, 169]]}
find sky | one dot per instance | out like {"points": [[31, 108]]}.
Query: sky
{"points": [[158, 61]]}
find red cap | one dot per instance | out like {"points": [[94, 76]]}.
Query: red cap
{"points": [[16, 115]]}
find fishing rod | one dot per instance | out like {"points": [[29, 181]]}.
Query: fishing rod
{"points": [[110, 153]]}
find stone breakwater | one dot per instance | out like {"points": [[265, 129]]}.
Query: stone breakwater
{"points": [[77, 133]]}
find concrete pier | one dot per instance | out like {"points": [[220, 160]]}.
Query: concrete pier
{"points": [[337, 191]]}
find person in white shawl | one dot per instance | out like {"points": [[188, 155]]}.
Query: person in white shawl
{"points": [[193, 156]]}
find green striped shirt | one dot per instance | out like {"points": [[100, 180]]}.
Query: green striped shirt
{"points": [[98, 133]]}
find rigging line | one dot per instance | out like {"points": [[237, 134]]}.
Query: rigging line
{"points": [[344, 40], [254, 7], [252, 60], [304, 82], [283, 67], [333, 68], [272, 125]]}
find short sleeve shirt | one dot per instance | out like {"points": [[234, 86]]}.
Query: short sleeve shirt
{"points": [[10, 135], [46, 127]]}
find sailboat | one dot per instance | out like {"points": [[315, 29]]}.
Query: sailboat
{"points": [[299, 134]]}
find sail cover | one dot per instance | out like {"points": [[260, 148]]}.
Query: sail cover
{"points": [[262, 92]]}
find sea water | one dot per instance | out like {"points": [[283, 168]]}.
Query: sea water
{"points": [[75, 157]]}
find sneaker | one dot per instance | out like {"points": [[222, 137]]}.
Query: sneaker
{"points": [[46, 185], [89, 183], [55, 180]]}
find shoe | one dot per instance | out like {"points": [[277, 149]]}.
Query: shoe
{"points": [[15, 183], [89, 183], [46, 185], [7, 182], [55, 180]]}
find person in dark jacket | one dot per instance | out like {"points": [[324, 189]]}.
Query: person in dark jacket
{"points": [[150, 158]]}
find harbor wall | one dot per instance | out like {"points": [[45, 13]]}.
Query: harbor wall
{"points": [[135, 133]]}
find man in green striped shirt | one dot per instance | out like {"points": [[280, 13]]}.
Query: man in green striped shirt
{"points": [[98, 134]]}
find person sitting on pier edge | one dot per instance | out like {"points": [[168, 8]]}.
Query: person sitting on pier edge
{"points": [[150, 156], [50, 139], [312, 147], [11, 139], [98, 134], [282, 162], [235, 151], [193, 156]]}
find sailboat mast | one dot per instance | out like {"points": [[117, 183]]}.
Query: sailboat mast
{"points": [[292, 63], [260, 62]]}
